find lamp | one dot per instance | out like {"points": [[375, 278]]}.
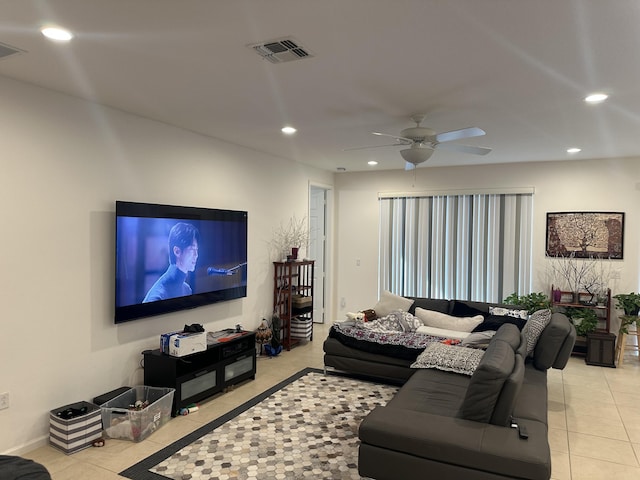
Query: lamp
{"points": [[416, 154]]}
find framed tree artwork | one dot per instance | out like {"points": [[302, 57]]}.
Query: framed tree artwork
{"points": [[585, 234]]}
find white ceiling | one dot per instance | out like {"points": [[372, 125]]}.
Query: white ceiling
{"points": [[519, 69]]}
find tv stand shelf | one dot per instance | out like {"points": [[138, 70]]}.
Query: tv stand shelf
{"points": [[201, 375]]}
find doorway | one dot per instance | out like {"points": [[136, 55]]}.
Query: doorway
{"points": [[319, 226]]}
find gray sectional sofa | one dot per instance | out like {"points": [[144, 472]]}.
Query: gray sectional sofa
{"points": [[490, 425]]}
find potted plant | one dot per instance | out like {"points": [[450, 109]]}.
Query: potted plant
{"points": [[629, 302], [532, 302], [584, 319]]}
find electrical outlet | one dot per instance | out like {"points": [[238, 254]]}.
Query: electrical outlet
{"points": [[4, 400]]}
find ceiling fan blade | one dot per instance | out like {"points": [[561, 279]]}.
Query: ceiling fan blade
{"points": [[459, 134], [463, 148], [405, 140], [375, 146]]}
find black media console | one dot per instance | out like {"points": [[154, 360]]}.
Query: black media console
{"points": [[230, 358]]}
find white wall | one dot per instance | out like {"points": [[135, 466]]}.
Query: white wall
{"points": [[581, 185], [64, 163]]}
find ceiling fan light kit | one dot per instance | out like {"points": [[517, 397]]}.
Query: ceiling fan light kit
{"points": [[416, 155], [423, 141]]}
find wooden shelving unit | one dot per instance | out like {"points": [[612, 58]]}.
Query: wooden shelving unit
{"points": [[585, 300], [293, 300]]}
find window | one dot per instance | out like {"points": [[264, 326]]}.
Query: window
{"points": [[467, 247]]}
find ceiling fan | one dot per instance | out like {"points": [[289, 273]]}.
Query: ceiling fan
{"points": [[423, 141]]}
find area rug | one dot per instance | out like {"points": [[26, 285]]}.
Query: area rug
{"points": [[304, 427]]}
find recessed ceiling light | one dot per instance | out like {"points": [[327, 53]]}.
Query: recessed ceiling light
{"points": [[596, 98], [56, 33], [288, 130], [372, 162], [573, 150]]}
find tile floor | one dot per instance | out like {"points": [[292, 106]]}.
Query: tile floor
{"points": [[594, 420]]}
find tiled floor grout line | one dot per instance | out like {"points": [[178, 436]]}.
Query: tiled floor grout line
{"points": [[566, 424]]}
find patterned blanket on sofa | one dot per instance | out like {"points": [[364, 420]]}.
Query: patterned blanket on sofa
{"points": [[394, 335]]}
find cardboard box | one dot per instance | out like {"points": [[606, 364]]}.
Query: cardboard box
{"points": [[122, 419], [73, 434], [181, 344]]}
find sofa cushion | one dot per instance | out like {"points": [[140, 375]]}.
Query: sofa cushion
{"points": [[555, 343], [431, 391], [532, 402], [435, 304], [18, 468], [494, 322], [464, 309], [534, 327], [506, 401], [450, 358], [480, 306], [487, 381], [442, 320], [510, 334], [389, 302]]}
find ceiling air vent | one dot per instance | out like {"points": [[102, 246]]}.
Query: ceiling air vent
{"points": [[281, 50], [8, 50]]}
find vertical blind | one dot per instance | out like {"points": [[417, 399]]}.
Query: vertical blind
{"points": [[467, 247]]}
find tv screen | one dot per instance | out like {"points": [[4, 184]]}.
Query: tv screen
{"points": [[171, 258]]}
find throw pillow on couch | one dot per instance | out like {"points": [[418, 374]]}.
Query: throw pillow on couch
{"points": [[450, 358], [534, 327], [441, 320], [389, 302]]}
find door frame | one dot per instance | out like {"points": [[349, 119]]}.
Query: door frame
{"points": [[327, 301]]}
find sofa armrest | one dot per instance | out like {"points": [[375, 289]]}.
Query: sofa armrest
{"points": [[456, 441]]}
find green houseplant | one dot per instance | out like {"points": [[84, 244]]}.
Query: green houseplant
{"points": [[584, 319], [532, 302], [629, 302]]}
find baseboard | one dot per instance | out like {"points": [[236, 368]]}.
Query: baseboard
{"points": [[28, 447]]}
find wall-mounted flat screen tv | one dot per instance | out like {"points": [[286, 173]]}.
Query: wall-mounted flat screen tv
{"points": [[171, 258]]}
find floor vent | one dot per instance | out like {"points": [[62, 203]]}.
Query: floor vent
{"points": [[281, 50]]}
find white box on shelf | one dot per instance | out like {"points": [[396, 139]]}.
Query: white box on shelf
{"points": [[164, 341], [181, 344]]}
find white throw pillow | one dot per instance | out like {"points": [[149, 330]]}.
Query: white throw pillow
{"points": [[389, 302], [450, 358], [432, 318], [442, 332]]}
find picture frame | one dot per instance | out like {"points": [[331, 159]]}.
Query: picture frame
{"points": [[585, 234]]}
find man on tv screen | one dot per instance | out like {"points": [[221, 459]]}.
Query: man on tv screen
{"points": [[183, 255]]}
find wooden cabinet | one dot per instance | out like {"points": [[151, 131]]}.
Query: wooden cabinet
{"points": [[230, 358], [293, 300], [601, 349], [563, 300]]}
